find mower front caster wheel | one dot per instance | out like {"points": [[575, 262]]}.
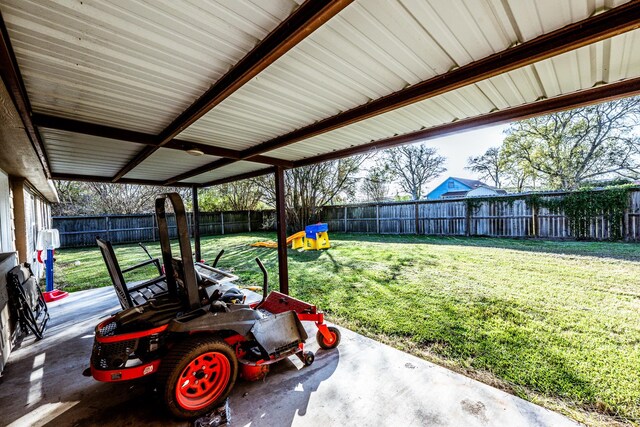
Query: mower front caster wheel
{"points": [[197, 375], [329, 344], [308, 358]]}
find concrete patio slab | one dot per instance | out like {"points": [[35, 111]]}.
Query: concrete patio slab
{"points": [[362, 382]]}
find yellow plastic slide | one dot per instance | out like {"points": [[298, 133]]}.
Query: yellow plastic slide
{"points": [[271, 244]]}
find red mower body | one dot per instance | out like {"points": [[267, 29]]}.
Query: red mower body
{"points": [[194, 333]]}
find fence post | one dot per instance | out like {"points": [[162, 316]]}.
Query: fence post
{"points": [[378, 219], [417, 217], [625, 220], [249, 220], [534, 219], [345, 219], [107, 226], [153, 226], [221, 222], [467, 220]]}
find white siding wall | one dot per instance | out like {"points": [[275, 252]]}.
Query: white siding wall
{"points": [[7, 261], [6, 240], [37, 217]]}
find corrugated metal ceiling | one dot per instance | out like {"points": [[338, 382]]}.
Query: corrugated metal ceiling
{"points": [[231, 170], [136, 65], [166, 163], [86, 155], [607, 61], [131, 64], [371, 49]]}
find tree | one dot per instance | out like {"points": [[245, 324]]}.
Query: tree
{"points": [[74, 199], [414, 166], [569, 148], [375, 185], [210, 200], [129, 198], [309, 188], [241, 195], [235, 196], [634, 171], [502, 170], [94, 198], [518, 175], [491, 166]]}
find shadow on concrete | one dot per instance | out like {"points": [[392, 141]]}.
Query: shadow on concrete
{"points": [[43, 382], [284, 394]]}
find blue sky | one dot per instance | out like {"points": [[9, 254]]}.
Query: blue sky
{"points": [[457, 149]]}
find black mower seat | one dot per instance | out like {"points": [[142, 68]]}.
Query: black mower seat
{"points": [[134, 293], [144, 290]]}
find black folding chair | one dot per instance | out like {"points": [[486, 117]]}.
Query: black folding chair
{"points": [[27, 300], [133, 293]]}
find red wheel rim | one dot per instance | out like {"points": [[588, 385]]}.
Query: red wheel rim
{"points": [[203, 381], [334, 337]]}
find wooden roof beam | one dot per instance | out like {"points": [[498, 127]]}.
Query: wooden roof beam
{"points": [[107, 179], [303, 21], [253, 174], [577, 99], [616, 21], [85, 128]]}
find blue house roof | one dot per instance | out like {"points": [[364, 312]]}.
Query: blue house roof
{"points": [[455, 185], [471, 183]]}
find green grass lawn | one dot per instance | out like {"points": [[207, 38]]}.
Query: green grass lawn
{"points": [[557, 323]]}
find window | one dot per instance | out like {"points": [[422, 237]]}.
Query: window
{"points": [[451, 184]]}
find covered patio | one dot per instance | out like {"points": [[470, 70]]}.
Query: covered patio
{"points": [[362, 382], [195, 95]]}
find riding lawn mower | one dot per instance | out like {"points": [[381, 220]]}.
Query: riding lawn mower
{"points": [[200, 334]]}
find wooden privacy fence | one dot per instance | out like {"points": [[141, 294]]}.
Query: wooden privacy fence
{"points": [[504, 216], [77, 231]]}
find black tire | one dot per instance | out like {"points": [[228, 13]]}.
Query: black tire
{"points": [[215, 381], [309, 357], [325, 345]]}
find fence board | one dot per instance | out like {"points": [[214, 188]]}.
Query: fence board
{"points": [[497, 217], [79, 231]]}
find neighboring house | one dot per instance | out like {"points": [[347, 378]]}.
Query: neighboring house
{"points": [[453, 188], [484, 191], [25, 197]]}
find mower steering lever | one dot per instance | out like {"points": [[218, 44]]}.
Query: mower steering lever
{"points": [[144, 248], [215, 262], [265, 281]]}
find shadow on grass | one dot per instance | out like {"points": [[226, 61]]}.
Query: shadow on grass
{"points": [[628, 251], [509, 336]]}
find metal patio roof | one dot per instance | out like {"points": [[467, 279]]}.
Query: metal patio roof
{"points": [[118, 91]]}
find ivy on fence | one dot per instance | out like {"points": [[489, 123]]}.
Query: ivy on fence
{"points": [[583, 206]]}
